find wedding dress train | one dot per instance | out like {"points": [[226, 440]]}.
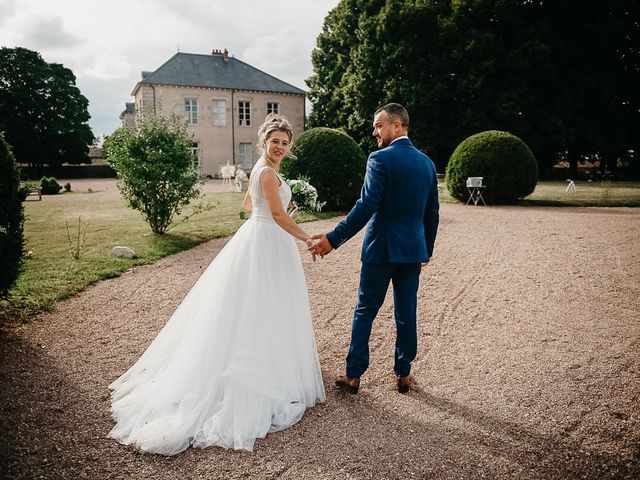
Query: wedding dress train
{"points": [[237, 359]]}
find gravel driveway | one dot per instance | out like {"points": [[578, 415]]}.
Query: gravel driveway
{"points": [[528, 364]]}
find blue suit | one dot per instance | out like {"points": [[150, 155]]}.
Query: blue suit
{"points": [[399, 200]]}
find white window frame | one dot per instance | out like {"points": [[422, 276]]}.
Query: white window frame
{"points": [[219, 112], [244, 113], [191, 110], [197, 156], [273, 107], [245, 154]]}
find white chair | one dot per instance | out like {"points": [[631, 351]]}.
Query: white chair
{"points": [[475, 187], [571, 186], [227, 172]]}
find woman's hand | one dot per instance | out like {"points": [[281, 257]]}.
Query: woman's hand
{"points": [[309, 243]]}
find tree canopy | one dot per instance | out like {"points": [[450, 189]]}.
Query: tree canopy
{"points": [[42, 112], [560, 75]]}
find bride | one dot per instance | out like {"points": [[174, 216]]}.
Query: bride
{"points": [[237, 359]]}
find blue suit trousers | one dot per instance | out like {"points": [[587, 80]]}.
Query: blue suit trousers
{"points": [[374, 282]]}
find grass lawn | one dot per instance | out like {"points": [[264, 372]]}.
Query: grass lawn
{"points": [[587, 194], [50, 273]]}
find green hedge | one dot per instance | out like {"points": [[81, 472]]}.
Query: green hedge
{"points": [[11, 219], [505, 162], [50, 186], [332, 161]]}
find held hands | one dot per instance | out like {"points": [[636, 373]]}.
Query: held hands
{"points": [[309, 243], [321, 246]]}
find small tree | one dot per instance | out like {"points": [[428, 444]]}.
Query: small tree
{"points": [[156, 173], [11, 219]]}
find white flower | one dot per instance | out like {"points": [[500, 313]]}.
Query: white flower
{"points": [[304, 195]]}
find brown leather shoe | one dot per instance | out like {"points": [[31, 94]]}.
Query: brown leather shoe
{"points": [[348, 384], [403, 383]]}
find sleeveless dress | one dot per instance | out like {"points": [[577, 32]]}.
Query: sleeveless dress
{"points": [[237, 359]]}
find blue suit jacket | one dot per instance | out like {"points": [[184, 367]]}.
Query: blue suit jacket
{"points": [[399, 199]]}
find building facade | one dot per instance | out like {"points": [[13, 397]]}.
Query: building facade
{"points": [[223, 101]]}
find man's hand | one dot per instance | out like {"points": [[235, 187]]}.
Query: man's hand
{"points": [[321, 246]]}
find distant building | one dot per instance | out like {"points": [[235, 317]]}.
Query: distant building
{"points": [[223, 100], [96, 155], [128, 116]]}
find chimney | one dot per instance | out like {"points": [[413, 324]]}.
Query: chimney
{"points": [[215, 51], [226, 55]]}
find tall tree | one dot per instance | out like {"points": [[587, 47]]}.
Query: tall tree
{"points": [[549, 72], [43, 113]]}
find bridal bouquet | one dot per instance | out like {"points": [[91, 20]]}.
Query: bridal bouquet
{"points": [[304, 195]]}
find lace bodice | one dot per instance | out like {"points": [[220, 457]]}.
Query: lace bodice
{"points": [[260, 209]]}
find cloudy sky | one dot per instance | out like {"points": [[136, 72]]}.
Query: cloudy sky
{"points": [[108, 43]]}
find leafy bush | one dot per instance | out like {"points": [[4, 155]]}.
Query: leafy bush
{"points": [[50, 186], [332, 162], [156, 173], [25, 188], [505, 162], [11, 219], [67, 187]]}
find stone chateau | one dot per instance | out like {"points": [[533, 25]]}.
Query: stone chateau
{"points": [[224, 100]]}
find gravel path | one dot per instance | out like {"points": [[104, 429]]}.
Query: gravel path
{"points": [[528, 364]]}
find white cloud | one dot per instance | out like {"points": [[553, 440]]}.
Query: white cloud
{"points": [[7, 9], [48, 33], [108, 44]]}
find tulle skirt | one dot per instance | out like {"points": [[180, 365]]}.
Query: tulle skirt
{"points": [[236, 360]]}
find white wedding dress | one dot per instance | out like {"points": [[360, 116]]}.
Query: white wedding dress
{"points": [[237, 359]]}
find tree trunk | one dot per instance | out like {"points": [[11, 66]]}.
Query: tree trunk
{"points": [[603, 163], [612, 164], [609, 163], [573, 164]]}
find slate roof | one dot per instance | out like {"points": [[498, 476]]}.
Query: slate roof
{"points": [[197, 70]]}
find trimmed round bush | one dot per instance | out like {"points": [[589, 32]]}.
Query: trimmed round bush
{"points": [[505, 162], [50, 186], [332, 161], [11, 219]]}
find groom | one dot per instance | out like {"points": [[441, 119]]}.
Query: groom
{"points": [[399, 199]]}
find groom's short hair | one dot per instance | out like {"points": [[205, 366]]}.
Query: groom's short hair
{"points": [[395, 111]]}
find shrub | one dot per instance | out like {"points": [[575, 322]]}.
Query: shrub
{"points": [[50, 186], [23, 191], [67, 187], [11, 219], [332, 162], [505, 162], [156, 174]]}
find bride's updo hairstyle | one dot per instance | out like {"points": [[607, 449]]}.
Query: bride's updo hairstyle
{"points": [[274, 122]]}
